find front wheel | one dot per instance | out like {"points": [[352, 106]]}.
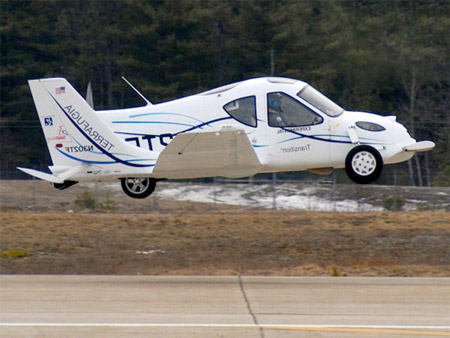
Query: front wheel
{"points": [[138, 187], [363, 165]]}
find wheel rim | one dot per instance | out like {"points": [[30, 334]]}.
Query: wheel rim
{"points": [[364, 163], [137, 185]]}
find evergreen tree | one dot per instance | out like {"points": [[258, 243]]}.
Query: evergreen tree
{"points": [[390, 57]]}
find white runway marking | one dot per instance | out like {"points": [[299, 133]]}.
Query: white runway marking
{"points": [[412, 330], [394, 327]]}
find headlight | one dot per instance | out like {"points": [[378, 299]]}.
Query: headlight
{"points": [[370, 126]]}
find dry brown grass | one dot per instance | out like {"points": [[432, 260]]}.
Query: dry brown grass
{"points": [[197, 242]]}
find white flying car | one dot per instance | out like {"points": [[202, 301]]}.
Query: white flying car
{"points": [[260, 125]]}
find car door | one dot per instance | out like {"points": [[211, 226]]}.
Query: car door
{"points": [[297, 133]]}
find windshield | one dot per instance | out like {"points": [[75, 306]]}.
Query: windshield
{"points": [[320, 101]]}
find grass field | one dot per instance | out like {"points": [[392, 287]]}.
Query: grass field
{"points": [[54, 237], [261, 243]]}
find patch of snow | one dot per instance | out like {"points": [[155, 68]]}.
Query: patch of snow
{"points": [[260, 196]]}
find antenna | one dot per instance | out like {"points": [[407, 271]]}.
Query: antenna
{"points": [[137, 91]]}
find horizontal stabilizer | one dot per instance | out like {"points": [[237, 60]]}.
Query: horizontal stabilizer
{"points": [[41, 175], [60, 177]]}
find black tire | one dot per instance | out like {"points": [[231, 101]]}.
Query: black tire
{"points": [[138, 187], [363, 165]]}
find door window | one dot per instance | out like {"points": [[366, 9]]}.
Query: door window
{"points": [[284, 111]]}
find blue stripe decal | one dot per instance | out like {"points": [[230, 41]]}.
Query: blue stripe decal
{"points": [[100, 162], [82, 160], [369, 140], [314, 137], [183, 131], [173, 114], [203, 124], [125, 162], [320, 138], [344, 136], [144, 159], [291, 139], [153, 122]]}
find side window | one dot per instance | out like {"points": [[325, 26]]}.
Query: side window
{"points": [[284, 111], [243, 110]]}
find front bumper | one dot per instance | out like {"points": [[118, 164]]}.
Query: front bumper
{"points": [[419, 147]]}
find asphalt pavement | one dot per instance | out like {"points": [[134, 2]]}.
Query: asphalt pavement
{"points": [[228, 306]]}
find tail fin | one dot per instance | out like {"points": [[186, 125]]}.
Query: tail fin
{"points": [[54, 130], [77, 137]]}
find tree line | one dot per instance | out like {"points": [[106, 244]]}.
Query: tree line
{"points": [[389, 57]]}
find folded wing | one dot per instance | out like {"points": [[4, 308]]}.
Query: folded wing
{"points": [[225, 152]]}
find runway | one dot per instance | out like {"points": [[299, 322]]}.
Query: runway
{"points": [[174, 306]]}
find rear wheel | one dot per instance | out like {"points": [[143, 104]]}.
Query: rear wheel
{"points": [[138, 187], [363, 165]]}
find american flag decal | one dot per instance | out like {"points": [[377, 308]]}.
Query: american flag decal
{"points": [[60, 90]]}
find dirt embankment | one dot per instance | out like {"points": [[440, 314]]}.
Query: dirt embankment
{"points": [[227, 242]]}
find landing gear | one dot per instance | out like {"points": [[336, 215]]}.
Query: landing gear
{"points": [[65, 185], [138, 187], [363, 165]]}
